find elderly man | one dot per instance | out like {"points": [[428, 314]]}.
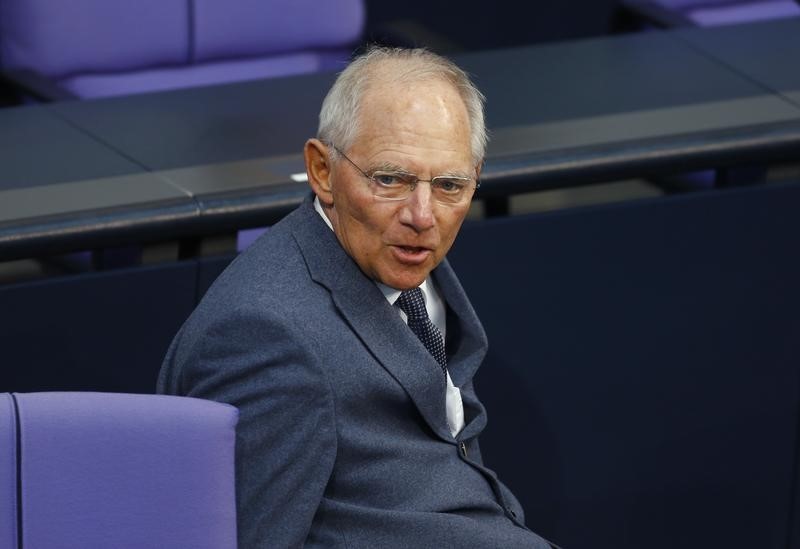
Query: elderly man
{"points": [[345, 339]]}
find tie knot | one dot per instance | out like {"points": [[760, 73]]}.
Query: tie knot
{"points": [[412, 304]]}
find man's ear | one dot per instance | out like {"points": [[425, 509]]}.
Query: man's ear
{"points": [[318, 169]]}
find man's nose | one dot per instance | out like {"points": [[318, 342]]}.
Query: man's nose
{"points": [[418, 207]]}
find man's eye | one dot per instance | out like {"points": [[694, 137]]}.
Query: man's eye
{"points": [[387, 179], [450, 185]]}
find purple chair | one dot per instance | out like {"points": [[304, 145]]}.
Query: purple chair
{"points": [[710, 13], [98, 48], [98, 470]]}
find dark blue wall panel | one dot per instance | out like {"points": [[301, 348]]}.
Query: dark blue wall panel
{"points": [[104, 331], [643, 375]]}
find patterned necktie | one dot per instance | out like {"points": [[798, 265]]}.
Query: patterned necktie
{"points": [[412, 304]]}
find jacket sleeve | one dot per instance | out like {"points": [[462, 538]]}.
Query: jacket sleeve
{"points": [[286, 436]]}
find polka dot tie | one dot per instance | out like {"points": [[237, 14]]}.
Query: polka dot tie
{"points": [[412, 304]]}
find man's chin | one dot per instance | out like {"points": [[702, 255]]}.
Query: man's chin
{"points": [[405, 280]]}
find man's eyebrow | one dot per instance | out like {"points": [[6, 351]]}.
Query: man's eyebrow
{"points": [[461, 175], [389, 167]]}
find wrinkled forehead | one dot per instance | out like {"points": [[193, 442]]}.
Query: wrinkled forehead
{"points": [[417, 130]]}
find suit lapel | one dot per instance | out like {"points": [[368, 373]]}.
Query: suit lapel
{"points": [[372, 318], [471, 342], [469, 348]]}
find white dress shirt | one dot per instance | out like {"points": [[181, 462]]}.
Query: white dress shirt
{"points": [[437, 312]]}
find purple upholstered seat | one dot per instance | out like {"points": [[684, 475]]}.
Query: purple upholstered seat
{"points": [[96, 48], [709, 13], [169, 78], [8, 473], [742, 12], [119, 470]]}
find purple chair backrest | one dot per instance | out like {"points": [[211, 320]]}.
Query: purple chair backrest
{"points": [[121, 470], [63, 38], [252, 28]]}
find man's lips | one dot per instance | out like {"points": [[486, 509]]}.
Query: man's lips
{"points": [[411, 255]]}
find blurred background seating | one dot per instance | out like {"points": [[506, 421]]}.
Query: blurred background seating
{"points": [[99, 48], [708, 13]]}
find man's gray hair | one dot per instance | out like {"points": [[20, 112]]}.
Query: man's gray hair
{"points": [[339, 116]]}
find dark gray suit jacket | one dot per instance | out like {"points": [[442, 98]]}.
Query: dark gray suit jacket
{"points": [[343, 438]]}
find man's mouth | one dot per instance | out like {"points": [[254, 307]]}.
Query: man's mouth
{"points": [[411, 255], [413, 249]]}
